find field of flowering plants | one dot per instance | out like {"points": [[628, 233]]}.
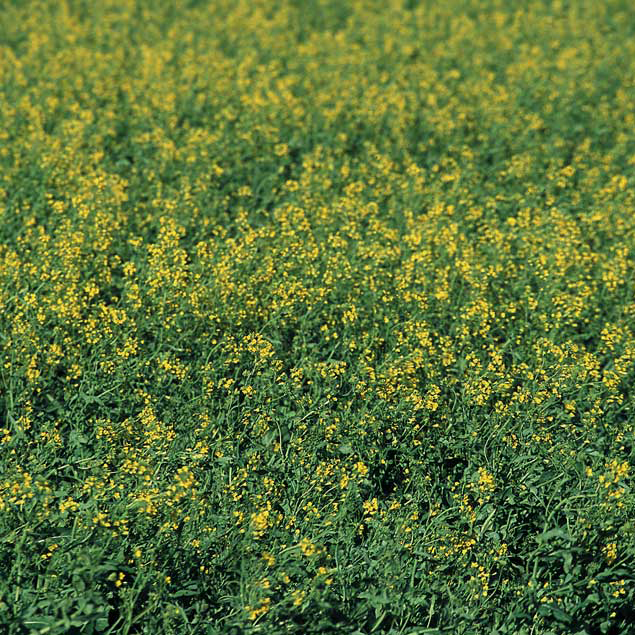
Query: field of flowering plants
{"points": [[317, 316]]}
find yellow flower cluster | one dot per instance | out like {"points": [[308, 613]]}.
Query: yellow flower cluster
{"points": [[283, 284]]}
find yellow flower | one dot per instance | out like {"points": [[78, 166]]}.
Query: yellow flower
{"points": [[269, 558], [298, 595]]}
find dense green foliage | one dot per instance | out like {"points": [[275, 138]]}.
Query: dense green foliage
{"points": [[317, 317]]}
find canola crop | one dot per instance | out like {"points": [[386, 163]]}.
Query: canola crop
{"points": [[317, 317]]}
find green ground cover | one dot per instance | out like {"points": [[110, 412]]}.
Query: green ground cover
{"points": [[317, 317]]}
